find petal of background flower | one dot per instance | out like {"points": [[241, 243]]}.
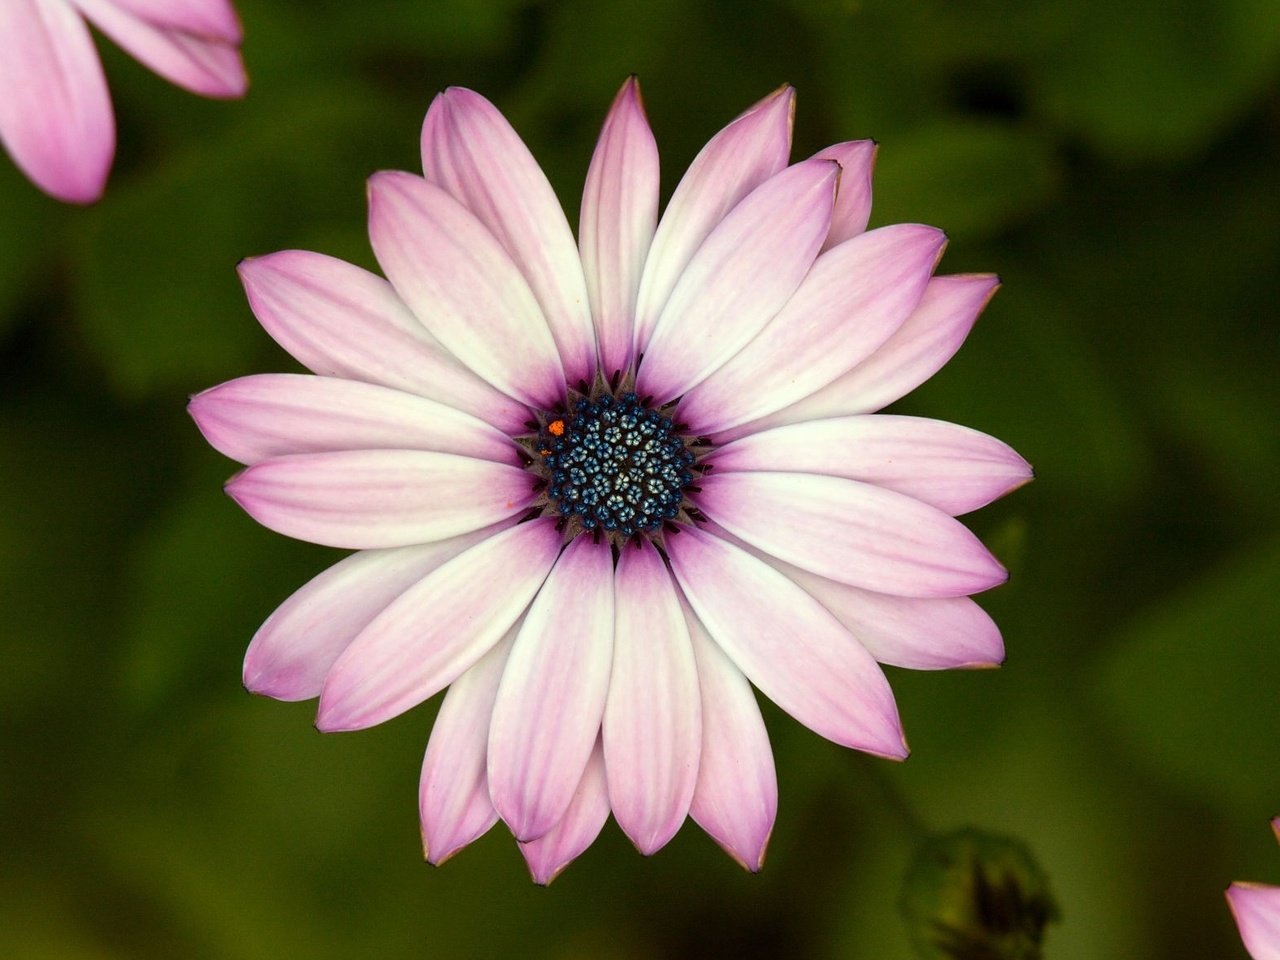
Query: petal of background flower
{"points": [[294, 649], [339, 320], [203, 64], [470, 150], [1256, 907], [438, 628], [948, 466], [619, 214], [652, 727], [548, 855], [850, 303], [453, 791], [745, 271], [739, 158], [55, 115], [274, 414], [915, 352], [787, 644], [853, 532], [857, 159], [736, 797], [553, 692], [463, 287], [363, 499]]}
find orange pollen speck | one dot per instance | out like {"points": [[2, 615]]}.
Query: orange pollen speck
{"points": [[556, 428]]}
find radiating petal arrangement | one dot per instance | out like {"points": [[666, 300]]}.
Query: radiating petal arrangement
{"points": [[56, 119], [1256, 907], [601, 489]]}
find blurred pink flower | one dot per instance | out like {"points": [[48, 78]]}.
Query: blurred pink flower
{"points": [[1256, 908], [55, 112], [600, 489]]}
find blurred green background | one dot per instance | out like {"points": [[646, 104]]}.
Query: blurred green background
{"points": [[1115, 162]]}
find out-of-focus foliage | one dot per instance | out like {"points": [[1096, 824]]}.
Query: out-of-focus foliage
{"points": [[1117, 163]]}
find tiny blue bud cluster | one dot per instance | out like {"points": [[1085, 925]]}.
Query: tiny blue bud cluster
{"points": [[616, 465]]}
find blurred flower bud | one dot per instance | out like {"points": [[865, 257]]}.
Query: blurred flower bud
{"points": [[971, 895]]}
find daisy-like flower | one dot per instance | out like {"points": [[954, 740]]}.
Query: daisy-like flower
{"points": [[1256, 907], [601, 489], [56, 119]]}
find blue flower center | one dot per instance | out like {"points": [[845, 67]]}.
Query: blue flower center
{"points": [[615, 465]]}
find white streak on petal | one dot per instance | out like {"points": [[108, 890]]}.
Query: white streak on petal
{"points": [[462, 285], [1256, 908], [787, 644], [652, 719], [619, 213], [739, 158], [438, 628], [852, 532], [453, 791], [274, 414], [853, 201], [548, 855], [553, 692], [470, 150], [215, 19], [294, 649], [745, 271]]}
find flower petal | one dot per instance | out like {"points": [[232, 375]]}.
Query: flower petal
{"points": [[274, 414], [55, 115], [463, 287], [857, 159], [548, 855], [739, 158], [652, 720], [853, 299], [852, 532], [787, 644], [215, 19], [945, 465], [619, 214], [736, 797], [438, 628], [365, 499], [553, 692], [453, 792], [294, 649], [1256, 908], [747, 269], [470, 150], [205, 65]]}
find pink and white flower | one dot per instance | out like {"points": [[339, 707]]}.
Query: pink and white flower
{"points": [[600, 489], [1256, 907], [56, 119]]}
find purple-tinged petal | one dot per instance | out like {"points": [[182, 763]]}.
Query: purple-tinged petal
{"points": [[291, 653], [214, 19], [745, 271], [739, 158], [736, 797], [850, 303], [652, 720], [437, 628], [461, 284], [857, 159], [453, 792], [275, 414], [915, 352], [339, 320], [1256, 908], [852, 532], [553, 692], [787, 644], [951, 467], [205, 65], [55, 114], [365, 499], [619, 214], [470, 150], [548, 855]]}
